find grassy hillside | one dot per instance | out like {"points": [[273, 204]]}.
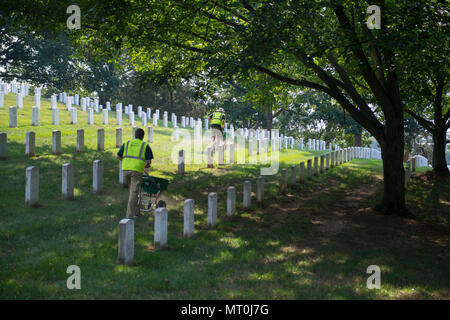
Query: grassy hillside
{"points": [[278, 250]]}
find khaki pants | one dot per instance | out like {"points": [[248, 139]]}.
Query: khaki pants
{"points": [[134, 180], [216, 137]]}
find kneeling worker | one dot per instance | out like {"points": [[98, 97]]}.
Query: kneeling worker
{"points": [[136, 155]]}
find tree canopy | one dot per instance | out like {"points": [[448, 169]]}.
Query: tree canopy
{"points": [[322, 45]]}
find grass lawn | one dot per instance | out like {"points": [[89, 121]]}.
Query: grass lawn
{"points": [[315, 242]]}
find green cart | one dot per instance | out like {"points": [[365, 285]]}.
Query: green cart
{"points": [[150, 192]]}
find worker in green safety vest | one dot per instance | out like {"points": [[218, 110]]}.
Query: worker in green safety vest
{"points": [[136, 155], [217, 121]]}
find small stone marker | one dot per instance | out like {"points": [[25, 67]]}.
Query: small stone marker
{"points": [[150, 134], [32, 186], [80, 140], [316, 166], [212, 209], [30, 142], [283, 182], [309, 169], [176, 135], [133, 132], [293, 179], [97, 181], [210, 157], [55, 117], [231, 158], [35, 116], [131, 116], [188, 230], [161, 218], [126, 241], [67, 181], [56, 142], [181, 162], [118, 137], [302, 172], [247, 194], [119, 116], [105, 116], [165, 119], [332, 159], [101, 139], [3, 141], [90, 115], [260, 189], [13, 117], [231, 201], [73, 115], [19, 100], [327, 166], [221, 155]]}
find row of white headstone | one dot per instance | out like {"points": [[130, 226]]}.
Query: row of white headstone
{"points": [[13, 87], [126, 226], [286, 142], [67, 182]]}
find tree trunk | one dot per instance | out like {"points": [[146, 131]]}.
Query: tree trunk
{"points": [[269, 117], [357, 141], [392, 148], [439, 139]]}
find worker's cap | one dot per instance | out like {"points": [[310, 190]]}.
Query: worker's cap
{"points": [[221, 110]]}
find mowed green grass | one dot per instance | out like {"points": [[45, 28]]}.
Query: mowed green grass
{"points": [[270, 251]]}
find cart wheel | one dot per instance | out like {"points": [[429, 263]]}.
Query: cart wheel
{"points": [[161, 204]]}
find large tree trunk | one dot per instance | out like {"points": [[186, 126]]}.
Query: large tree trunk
{"points": [[357, 140], [439, 139], [392, 149]]}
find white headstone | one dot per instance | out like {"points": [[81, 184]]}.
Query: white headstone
{"points": [[188, 218], [73, 115], [212, 209], [247, 194], [97, 182], [231, 201], [67, 181], [126, 241], [35, 116], [32, 186], [161, 219], [105, 116], [80, 140], [56, 142], [30, 141]]}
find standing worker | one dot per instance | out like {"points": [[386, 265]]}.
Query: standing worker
{"points": [[136, 155], [217, 121]]}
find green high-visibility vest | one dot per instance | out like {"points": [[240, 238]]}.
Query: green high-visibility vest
{"points": [[134, 155], [217, 118]]}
